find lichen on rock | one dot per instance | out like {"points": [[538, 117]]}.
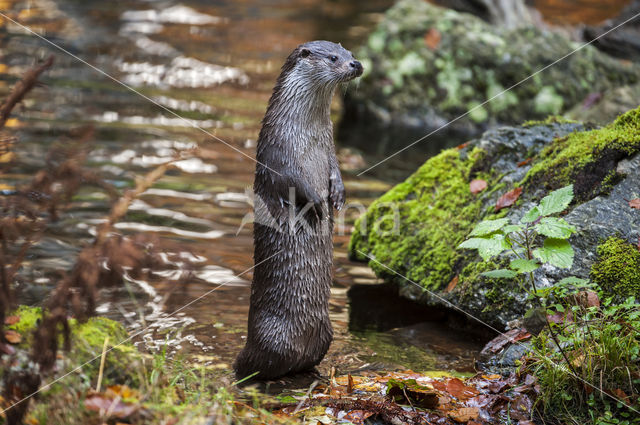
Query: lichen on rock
{"points": [[427, 65]]}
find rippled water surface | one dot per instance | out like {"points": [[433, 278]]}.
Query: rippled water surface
{"points": [[203, 72]]}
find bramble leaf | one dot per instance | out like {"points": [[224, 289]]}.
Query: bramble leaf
{"points": [[522, 265], [557, 201], [532, 215], [487, 247], [557, 252], [572, 280], [488, 226], [512, 228], [500, 273], [555, 228]]}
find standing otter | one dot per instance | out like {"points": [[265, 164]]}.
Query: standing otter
{"points": [[297, 182]]}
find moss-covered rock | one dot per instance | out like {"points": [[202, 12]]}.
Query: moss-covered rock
{"points": [[617, 270], [122, 362], [586, 158], [426, 65], [410, 235]]}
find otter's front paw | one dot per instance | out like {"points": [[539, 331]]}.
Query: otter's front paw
{"points": [[338, 195]]}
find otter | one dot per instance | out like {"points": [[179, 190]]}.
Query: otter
{"points": [[297, 185]]}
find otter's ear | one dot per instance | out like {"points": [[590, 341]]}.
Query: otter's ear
{"points": [[304, 53]]}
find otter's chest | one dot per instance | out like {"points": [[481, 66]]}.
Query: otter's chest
{"points": [[314, 158]]}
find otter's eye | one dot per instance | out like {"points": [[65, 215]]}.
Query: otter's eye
{"points": [[333, 58]]}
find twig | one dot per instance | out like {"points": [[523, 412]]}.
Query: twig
{"points": [[102, 361], [21, 88]]}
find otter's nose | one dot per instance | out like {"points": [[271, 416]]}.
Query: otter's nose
{"points": [[357, 66]]}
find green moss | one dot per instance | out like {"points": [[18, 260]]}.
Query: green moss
{"points": [[472, 61], [500, 293], [416, 226], [29, 317], [551, 119], [617, 270], [581, 152], [87, 341]]}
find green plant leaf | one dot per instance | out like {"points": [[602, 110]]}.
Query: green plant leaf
{"points": [[512, 228], [487, 247], [557, 201], [500, 273], [572, 280], [522, 265], [532, 215], [555, 228], [489, 226], [557, 252]]}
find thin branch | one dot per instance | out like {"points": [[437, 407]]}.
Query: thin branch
{"points": [[21, 88]]}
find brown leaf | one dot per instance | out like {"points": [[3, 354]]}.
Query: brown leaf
{"points": [[508, 198], [497, 343], [432, 39], [13, 337], [635, 203], [525, 162], [456, 388], [452, 284], [559, 318], [117, 408], [464, 414], [11, 320], [586, 299], [477, 186], [7, 349], [621, 395], [357, 416]]}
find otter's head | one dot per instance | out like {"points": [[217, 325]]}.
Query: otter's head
{"points": [[322, 63]]}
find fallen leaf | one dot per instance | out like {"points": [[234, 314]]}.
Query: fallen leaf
{"points": [[591, 99], [121, 391], [117, 408], [621, 395], [410, 392], [635, 203], [559, 318], [492, 377], [11, 320], [12, 337], [508, 198], [357, 416], [587, 299], [432, 39], [456, 388], [464, 414], [13, 123], [525, 162], [497, 343], [7, 349], [477, 186], [452, 284]]}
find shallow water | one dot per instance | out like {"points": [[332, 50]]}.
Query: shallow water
{"points": [[213, 64]]}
